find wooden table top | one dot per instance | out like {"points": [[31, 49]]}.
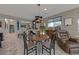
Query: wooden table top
{"points": [[39, 38]]}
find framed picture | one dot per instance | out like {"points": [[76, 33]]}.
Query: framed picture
{"points": [[68, 21]]}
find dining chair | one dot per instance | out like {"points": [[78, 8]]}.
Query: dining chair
{"points": [[29, 46], [49, 44]]}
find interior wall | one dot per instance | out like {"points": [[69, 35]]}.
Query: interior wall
{"points": [[5, 31], [74, 14]]}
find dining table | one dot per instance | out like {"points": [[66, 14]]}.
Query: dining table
{"points": [[39, 39]]}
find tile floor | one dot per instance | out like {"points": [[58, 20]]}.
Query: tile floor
{"points": [[58, 50], [14, 46]]}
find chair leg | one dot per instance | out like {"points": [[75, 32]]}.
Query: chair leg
{"points": [[69, 51], [0, 45], [42, 49], [27, 52], [50, 52], [54, 47], [24, 51], [35, 50], [54, 51]]}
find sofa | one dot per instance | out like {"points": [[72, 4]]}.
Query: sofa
{"points": [[67, 43]]}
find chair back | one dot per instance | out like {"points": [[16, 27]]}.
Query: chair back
{"points": [[51, 34], [63, 34], [52, 43], [25, 40]]}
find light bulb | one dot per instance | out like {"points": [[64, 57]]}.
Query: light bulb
{"points": [[45, 9]]}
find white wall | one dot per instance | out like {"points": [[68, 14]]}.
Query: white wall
{"points": [[5, 31], [74, 14]]}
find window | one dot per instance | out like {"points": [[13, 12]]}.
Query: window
{"points": [[50, 24], [58, 23], [54, 22]]}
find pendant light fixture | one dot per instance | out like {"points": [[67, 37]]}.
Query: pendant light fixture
{"points": [[38, 22], [38, 18]]}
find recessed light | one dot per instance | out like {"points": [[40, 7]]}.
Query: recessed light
{"points": [[45, 9]]}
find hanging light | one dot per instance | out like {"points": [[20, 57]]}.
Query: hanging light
{"points": [[38, 18]]}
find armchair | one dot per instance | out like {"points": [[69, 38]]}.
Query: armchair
{"points": [[68, 44]]}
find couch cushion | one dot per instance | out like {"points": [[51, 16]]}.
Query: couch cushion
{"points": [[71, 44]]}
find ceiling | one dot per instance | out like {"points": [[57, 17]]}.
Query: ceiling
{"points": [[29, 11]]}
